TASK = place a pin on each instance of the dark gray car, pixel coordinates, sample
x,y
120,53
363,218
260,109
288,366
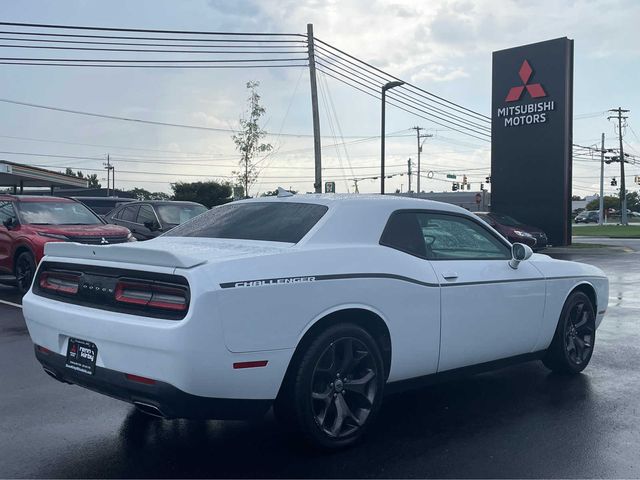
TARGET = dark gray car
x,y
149,218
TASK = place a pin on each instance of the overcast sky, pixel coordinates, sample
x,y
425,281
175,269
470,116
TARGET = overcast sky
x,y
443,46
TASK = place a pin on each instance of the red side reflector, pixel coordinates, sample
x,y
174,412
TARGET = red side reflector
x,y
43,349
138,379
254,364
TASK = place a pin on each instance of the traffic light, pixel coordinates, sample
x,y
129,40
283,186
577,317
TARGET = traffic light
x,y
468,186
455,186
482,187
487,179
614,182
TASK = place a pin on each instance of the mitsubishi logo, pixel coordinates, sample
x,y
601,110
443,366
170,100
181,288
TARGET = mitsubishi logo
x,y
104,241
534,89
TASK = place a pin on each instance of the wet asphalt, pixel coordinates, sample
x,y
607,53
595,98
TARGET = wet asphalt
x,y
521,421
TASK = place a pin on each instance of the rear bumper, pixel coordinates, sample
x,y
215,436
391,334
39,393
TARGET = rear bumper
x,y
170,401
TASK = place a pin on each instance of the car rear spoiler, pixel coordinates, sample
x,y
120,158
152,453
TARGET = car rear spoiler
x,y
124,253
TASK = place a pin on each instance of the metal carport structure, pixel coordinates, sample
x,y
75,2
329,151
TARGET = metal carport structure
x,y
20,176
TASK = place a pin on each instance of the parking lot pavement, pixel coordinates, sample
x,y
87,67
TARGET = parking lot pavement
x,y
517,422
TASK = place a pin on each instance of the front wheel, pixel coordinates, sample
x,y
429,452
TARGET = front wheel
x,y
25,269
572,345
337,387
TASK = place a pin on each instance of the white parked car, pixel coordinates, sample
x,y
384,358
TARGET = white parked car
x,y
317,305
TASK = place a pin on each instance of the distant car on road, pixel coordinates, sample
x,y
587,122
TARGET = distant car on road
x,y
103,205
27,223
150,218
515,231
315,304
588,216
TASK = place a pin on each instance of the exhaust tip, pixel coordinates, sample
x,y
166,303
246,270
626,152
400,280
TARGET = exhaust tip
x,y
149,409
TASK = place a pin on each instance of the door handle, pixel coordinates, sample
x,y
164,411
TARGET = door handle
x,y
450,275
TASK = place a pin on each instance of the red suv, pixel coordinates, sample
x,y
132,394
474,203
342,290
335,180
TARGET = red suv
x,y
28,222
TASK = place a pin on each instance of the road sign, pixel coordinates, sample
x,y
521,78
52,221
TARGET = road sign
x,y
451,175
329,187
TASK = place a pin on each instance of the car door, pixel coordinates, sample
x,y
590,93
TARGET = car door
x,y
6,240
489,310
146,214
128,219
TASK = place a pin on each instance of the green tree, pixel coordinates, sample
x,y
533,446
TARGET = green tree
x,y
208,193
609,202
93,180
633,202
143,194
249,139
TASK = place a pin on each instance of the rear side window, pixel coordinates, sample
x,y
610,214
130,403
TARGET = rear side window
x,y
146,215
268,221
129,214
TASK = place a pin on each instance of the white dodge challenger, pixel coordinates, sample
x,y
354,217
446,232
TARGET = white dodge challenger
x,y
317,305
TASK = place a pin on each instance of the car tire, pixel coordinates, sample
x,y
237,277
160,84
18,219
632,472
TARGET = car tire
x,y
335,390
25,269
572,345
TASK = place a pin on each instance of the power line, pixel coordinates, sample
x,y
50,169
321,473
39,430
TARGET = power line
x,y
140,30
379,80
155,50
112,65
448,102
426,109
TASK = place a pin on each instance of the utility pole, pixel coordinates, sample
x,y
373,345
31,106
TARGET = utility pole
x,y
601,219
417,129
409,174
108,168
385,87
314,109
355,185
623,191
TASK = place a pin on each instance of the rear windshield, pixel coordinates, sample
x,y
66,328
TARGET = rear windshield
x,y
268,221
57,213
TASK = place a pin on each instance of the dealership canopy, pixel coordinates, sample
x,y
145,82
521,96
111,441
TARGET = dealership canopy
x,y
19,176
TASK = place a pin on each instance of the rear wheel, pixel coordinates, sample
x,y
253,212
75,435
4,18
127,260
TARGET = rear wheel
x,y
25,269
336,388
572,345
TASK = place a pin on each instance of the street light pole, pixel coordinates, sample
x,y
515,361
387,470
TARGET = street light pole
x,y
385,87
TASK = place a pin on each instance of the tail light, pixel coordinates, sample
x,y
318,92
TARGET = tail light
x,y
60,282
155,295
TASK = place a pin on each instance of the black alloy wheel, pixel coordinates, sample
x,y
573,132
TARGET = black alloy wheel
x,y
334,391
25,270
579,333
343,388
572,345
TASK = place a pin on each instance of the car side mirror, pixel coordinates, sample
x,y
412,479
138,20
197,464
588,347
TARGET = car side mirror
x,y
151,225
10,223
519,253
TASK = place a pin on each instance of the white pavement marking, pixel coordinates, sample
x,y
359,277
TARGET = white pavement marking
x,y
17,305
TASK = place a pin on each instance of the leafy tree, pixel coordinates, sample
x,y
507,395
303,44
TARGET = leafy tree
x,y
249,139
576,197
609,202
143,194
208,193
633,202
93,180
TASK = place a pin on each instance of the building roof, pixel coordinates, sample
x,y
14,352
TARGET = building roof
x,y
15,174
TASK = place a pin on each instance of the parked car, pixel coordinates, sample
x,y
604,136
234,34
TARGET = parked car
x,y
27,223
588,216
515,231
314,304
150,218
103,205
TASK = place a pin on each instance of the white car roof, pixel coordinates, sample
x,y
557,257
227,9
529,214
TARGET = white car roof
x,y
356,218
